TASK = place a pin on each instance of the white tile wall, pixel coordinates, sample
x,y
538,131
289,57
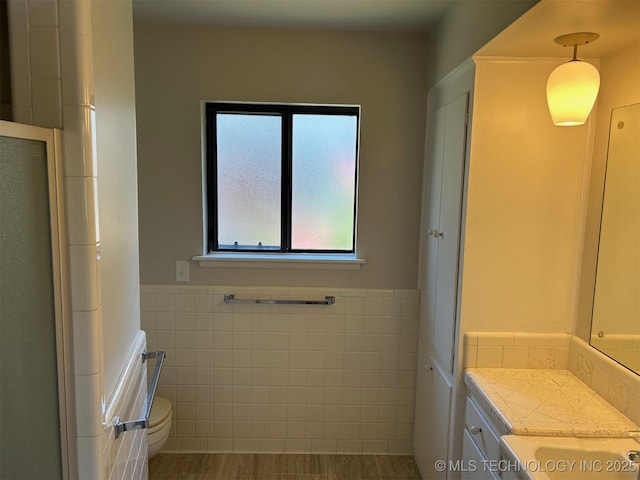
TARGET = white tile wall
x,y
615,383
74,113
18,16
286,378
125,458
35,63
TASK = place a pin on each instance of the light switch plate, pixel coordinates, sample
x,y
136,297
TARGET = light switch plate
x,y
182,271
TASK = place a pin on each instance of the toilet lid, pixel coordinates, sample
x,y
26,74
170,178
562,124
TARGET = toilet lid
x,y
160,410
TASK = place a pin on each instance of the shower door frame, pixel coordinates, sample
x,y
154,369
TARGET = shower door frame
x,y
61,286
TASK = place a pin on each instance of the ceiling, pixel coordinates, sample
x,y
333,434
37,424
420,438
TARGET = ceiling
x,y
617,22
418,15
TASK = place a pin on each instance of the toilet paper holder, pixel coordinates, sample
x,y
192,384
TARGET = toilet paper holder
x,y
143,422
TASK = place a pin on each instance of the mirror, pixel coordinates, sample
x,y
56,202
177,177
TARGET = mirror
x,y
615,326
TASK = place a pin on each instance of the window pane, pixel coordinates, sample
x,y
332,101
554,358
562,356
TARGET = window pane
x,y
323,184
249,170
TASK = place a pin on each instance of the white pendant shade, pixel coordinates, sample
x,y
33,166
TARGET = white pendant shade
x,y
572,89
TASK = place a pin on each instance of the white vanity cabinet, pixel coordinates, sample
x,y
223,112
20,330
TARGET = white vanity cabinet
x,y
472,456
481,445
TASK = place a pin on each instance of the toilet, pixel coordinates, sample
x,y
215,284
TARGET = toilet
x,y
159,425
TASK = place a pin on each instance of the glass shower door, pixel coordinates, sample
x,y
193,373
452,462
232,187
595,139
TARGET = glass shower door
x,y
30,306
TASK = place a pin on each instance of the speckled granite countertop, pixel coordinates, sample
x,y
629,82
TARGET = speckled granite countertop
x,y
544,402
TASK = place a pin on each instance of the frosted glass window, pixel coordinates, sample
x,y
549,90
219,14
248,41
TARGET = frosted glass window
x,y
323,182
281,178
249,187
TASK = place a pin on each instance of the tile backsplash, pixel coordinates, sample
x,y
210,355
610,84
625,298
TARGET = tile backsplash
x,y
613,382
285,378
624,347
516,350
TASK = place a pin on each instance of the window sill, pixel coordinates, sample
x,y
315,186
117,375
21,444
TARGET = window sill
x,y
280,260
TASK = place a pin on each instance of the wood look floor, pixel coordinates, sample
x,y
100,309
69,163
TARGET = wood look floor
x,y
249,466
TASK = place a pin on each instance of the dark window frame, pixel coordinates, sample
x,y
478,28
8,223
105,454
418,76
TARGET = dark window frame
x,y
286,111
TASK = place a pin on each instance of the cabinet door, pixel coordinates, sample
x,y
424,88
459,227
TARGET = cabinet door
x,y
449,228
446,150
433,409
432,186
474,466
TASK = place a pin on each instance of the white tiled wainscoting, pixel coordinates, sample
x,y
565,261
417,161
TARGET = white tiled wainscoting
x,y
286,378
125,458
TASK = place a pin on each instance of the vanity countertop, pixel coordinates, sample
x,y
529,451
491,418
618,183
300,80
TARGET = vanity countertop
x,y
544,402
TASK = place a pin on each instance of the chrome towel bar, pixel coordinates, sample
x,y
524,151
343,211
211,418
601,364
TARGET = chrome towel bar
x,y
143,422
327,301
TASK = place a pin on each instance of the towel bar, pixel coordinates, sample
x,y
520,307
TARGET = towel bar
x,y
143,422
327,301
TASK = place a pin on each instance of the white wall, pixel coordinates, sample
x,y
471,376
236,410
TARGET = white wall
x,y
114,89
523,205
124,376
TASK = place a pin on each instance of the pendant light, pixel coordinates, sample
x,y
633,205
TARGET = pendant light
x,y
572,87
